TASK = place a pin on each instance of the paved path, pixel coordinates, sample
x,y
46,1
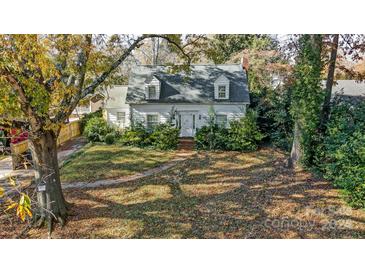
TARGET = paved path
x,y
108,182
6,169
70,148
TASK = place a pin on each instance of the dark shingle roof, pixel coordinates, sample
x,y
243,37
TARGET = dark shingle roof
x,y
349,88
195,87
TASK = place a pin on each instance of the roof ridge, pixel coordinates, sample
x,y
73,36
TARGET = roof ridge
x,y
233,64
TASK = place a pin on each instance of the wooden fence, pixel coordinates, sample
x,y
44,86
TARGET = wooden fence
x,y
67,132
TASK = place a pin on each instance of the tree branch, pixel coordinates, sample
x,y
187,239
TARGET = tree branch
x,y
24,101
62,115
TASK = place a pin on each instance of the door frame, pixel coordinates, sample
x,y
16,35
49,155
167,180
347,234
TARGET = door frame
x,y
193,113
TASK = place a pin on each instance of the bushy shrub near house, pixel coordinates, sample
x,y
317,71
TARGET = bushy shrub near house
x,y
110,138
162,136
211,137
136,135
96,129
242,135
343,154
87,117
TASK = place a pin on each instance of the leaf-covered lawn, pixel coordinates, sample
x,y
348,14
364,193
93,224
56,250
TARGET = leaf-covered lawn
x,y
215,195
101,161
2,156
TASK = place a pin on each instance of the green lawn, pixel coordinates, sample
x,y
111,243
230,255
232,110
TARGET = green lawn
x,y
100,161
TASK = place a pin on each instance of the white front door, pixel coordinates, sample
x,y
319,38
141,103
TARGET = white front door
x,y
187,124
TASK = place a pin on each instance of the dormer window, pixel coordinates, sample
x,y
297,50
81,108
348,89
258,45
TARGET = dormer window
x,y
222,92
221,88
153,86
152,92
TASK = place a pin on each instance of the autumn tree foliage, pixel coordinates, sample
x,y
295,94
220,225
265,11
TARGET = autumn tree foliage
x,y
42,80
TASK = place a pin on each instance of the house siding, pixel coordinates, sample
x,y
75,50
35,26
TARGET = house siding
x,y
233,111
111,116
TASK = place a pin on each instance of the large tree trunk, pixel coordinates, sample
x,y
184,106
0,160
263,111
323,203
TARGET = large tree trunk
x,y
329,83
296,150
51,204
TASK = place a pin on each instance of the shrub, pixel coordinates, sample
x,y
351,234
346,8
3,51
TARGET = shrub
x,y
96,129
211,137
164,136
342,158
87,117
110,138
137,135
243,134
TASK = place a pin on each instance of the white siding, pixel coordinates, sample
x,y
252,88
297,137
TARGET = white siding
x,y
221,81
111,115
114,103
157,84
115,97
233,111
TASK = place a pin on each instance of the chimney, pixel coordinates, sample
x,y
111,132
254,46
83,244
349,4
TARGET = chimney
x,y
245,63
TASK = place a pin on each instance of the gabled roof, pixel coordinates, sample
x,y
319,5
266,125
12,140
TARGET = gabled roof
x,y
221,78
151,78
197,86
115,97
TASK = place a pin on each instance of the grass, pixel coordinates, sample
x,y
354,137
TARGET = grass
x,y
2,156
212,195
99,161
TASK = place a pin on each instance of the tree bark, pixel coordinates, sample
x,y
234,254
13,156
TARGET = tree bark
x,y
329,83
296,151
51,204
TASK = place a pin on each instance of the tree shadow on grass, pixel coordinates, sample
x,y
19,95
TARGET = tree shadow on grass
x,y
209,196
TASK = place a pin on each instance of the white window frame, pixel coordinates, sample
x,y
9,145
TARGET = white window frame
x,y
220,82
220,123
156,123
154,82
222,92
123,120
149,91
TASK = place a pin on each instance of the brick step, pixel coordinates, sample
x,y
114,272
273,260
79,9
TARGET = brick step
x,y
186,144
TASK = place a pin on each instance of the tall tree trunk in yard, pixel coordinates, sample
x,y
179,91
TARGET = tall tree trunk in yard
x,y
305,99
51,202
296,151
329,83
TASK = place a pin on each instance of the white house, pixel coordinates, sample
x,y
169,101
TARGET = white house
x,y
154,95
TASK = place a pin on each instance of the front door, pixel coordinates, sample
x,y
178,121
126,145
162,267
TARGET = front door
x,y
187,124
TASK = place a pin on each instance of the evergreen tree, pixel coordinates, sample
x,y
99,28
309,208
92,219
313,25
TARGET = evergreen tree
x,y
307,99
